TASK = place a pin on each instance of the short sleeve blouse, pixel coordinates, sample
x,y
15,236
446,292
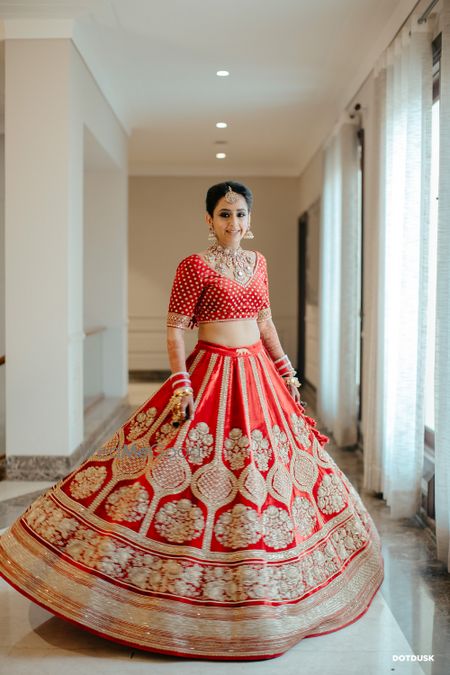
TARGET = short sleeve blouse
x,y
200,294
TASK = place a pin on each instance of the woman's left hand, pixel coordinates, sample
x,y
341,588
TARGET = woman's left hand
x,y
295,393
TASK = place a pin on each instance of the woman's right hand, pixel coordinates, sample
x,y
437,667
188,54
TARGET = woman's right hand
x,y
187,406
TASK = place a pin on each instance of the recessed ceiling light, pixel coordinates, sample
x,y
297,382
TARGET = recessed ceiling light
x,y
220,155
222,73
221,125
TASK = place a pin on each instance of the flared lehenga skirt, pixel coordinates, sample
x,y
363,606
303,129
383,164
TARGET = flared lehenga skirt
x,y
232,536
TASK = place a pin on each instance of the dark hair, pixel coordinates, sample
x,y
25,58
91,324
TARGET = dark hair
x,y
219,190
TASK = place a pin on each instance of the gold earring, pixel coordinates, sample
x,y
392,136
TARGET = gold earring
x,y
249,234
212,235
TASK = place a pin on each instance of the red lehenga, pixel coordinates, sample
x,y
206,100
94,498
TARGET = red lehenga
x,y
232,536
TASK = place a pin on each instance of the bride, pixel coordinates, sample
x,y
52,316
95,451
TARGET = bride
x,y
213,523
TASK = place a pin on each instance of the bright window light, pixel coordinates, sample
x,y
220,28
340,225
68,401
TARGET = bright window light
x,y
432,257
222,73
221,125
220,155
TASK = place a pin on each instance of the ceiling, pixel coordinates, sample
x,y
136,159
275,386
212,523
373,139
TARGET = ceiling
x,y
291,62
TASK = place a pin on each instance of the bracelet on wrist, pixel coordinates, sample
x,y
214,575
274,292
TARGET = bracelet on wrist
x,y
182,391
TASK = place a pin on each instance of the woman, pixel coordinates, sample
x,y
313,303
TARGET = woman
x,y
213,524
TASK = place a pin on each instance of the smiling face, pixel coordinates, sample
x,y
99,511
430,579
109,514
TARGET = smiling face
x,y
229,221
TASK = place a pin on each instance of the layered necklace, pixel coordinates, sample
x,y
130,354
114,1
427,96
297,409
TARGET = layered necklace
x,y
238,260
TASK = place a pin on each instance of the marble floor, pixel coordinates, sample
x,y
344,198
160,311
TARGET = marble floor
x,y
410,615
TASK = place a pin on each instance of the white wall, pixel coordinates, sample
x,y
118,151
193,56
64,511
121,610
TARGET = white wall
x,y
166,223
50,98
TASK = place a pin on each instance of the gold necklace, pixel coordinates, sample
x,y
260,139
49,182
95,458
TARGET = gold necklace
x,y
238,260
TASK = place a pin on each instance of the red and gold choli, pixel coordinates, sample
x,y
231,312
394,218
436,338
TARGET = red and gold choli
x,y
200,294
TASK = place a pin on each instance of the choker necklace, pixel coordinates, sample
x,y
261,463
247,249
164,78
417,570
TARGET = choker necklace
x,y
237,259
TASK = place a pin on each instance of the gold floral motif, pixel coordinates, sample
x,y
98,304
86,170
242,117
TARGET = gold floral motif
x,y
129,502
281,444
179,521
88,481
238,527
348,539
141,422
50,521
236,448
301,430
164,436
199,443
331,494
277,527
304,515
261,450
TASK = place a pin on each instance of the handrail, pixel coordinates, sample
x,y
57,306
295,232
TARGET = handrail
x,y
94,329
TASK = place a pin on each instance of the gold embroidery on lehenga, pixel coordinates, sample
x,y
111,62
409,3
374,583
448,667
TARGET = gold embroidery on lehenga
x,y
272,582
281,411
321,454
277,527
164,436
141,422
199,443
281,444
301,430
304,471
336,568
179,521
170,472
214,483
108,448
279,483
331,495
341,600
261,449
236,448
238,527
129,502
87,481
304,515
252,485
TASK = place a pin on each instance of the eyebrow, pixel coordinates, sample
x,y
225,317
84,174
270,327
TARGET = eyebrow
x,y
229,210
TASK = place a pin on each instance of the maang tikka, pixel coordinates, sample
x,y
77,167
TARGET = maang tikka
x,y
231,197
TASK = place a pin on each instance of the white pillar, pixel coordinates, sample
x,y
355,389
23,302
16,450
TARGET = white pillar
x,y
43,244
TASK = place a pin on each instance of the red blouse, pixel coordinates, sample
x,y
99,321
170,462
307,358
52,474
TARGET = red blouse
x,y
200,294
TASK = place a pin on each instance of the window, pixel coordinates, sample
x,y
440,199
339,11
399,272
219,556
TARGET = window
x,y
431,301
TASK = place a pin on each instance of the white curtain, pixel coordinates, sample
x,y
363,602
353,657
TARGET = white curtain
x,y
442,354
395,335
337,398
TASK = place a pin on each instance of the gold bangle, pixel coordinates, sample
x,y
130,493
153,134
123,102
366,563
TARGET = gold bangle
x,y
181,391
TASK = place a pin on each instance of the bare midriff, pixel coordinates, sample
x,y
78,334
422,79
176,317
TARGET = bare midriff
x,y
235,333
